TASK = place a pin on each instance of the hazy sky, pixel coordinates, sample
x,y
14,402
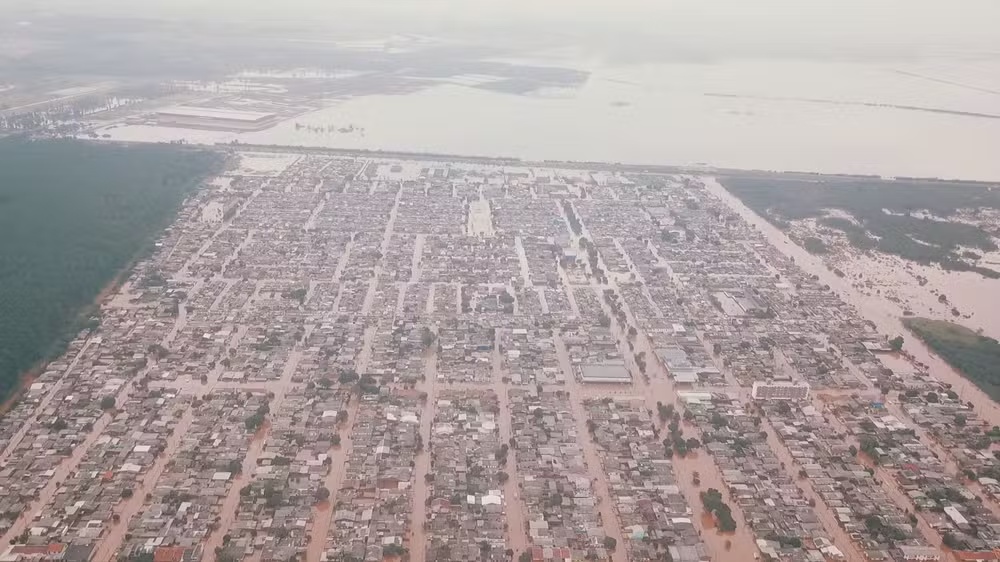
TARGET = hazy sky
x,y
828,28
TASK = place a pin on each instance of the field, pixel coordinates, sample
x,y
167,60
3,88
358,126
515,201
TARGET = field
x,y
916,220
976,357
72,216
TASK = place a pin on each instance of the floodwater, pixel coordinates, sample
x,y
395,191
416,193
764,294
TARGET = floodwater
x,y
723,547
914,118
883,313
968,292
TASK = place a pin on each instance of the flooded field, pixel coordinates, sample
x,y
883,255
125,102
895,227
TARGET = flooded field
x,y
917,288
775,115
884,314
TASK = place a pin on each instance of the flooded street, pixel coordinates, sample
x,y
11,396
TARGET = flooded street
x,y
16,439
826,515
418,535
66,467
109,545
480,218
723,547
323,512
599,480
230,505
884,314
517,536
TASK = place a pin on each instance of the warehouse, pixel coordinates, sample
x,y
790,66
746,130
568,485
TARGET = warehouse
x,y
613,373
215,118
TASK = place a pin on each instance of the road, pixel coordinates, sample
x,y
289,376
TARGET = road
x,y
107,548
230,505
592,460
826,515
660,389
43,404
323,512
422,463
885,315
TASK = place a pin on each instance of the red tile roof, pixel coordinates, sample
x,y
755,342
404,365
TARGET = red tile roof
x,y
168,554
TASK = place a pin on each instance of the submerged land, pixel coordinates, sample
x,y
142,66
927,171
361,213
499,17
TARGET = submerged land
x,y
268,314
355,356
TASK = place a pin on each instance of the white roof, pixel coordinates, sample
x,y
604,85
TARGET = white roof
x,y
955,515
214,113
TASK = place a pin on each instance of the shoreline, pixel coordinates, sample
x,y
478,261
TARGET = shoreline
x,y
877,310
26,378
568,164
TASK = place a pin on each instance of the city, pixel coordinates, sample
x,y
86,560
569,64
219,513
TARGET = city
x,y
333,357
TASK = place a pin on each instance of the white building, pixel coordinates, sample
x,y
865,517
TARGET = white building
x,y
780,390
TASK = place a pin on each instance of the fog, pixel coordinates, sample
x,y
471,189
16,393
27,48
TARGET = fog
x,y
705,29
888,87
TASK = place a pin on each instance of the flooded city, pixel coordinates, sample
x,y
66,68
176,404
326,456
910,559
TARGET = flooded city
x,y
535,282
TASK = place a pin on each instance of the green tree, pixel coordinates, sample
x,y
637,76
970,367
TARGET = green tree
x,y
108,403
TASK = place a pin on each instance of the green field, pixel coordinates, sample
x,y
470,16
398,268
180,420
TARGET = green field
x,y
976,357
782,199
73,215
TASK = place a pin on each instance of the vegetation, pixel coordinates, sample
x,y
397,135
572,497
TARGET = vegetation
x,y
896,343
976,357
665,411
393,550
877,527
73,215
712,500
255,420
867,200
427,337
814,245
574,221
